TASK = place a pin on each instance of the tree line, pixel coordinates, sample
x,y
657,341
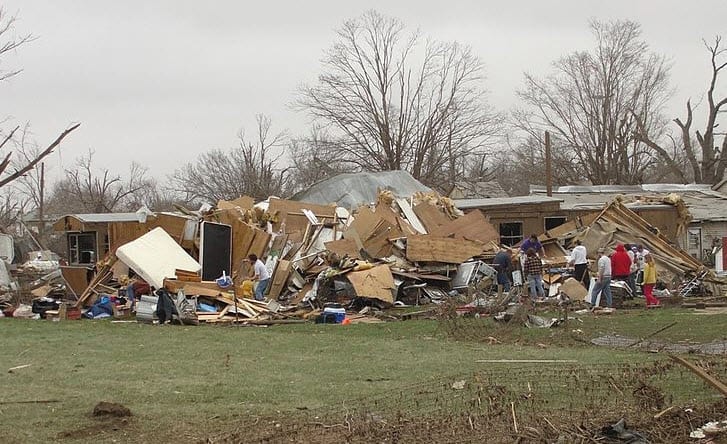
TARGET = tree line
x,y
388,97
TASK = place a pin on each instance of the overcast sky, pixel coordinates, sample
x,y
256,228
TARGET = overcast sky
x,y
160,81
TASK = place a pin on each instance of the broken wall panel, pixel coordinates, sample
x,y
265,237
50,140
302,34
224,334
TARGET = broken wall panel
x,y
291,213
430,216
473,226
429,248
343,247
376,283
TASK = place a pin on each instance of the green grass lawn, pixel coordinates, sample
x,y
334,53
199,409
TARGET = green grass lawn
x,y
184,383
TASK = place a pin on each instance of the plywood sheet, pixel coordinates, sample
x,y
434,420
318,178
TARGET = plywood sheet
x,y
76,277
174,225
473,226
376,283
428,248
243,202
124,232
363,224
430,216
343,247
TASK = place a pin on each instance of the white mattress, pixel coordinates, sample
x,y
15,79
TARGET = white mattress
x,y
154,256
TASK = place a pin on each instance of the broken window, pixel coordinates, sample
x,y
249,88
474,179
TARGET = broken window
x,y
511,233
554,221
81,248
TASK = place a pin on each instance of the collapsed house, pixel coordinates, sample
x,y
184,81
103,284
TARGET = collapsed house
x,y
394,245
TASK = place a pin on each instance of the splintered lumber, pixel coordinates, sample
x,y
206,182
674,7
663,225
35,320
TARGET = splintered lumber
x,y
102,275
203,288
428,248
709,379
290,213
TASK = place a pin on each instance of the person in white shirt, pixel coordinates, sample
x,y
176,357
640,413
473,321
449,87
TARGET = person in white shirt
x,y
603,279
579,260
261,275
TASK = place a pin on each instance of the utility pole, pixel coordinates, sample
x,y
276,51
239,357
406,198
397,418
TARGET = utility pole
x,y
548,171
41,195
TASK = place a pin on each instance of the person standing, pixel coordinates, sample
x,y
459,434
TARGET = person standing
x,y
631,251
579,260
603,279
620,264
534,272
650,281
534,243
261,275
640,253
503,264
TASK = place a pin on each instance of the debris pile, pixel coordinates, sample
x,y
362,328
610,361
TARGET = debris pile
x,y
193,266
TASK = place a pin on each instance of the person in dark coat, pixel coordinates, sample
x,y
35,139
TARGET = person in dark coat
x,y
503,264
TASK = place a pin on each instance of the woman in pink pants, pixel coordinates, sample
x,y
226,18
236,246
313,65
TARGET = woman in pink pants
x,y
650,281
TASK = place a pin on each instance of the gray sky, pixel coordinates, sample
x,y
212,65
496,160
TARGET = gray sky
x,y
160,81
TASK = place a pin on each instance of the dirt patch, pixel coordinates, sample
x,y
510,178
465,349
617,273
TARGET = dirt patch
x,y
111,409
97,429
107,418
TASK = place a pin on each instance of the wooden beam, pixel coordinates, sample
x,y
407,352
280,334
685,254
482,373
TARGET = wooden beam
x,y
709,379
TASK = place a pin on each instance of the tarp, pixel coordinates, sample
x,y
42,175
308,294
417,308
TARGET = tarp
x,y
155,256
353,189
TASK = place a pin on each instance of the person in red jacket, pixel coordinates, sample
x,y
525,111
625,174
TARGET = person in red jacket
x,y
620,264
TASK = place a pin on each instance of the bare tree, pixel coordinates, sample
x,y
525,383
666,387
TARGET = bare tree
x,y
315,158
705,158
252,168
593,101
9,41
86,189
394,102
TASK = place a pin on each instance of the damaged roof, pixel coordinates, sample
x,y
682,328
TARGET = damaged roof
x,y
350,190
704,204
105,217
464,204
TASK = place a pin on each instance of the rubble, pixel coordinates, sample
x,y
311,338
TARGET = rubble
x,y
399,250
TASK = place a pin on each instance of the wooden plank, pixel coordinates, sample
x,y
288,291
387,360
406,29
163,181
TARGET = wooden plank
x,y
709,379
279,279
260,243
473,226
428,248
204,288
411,217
